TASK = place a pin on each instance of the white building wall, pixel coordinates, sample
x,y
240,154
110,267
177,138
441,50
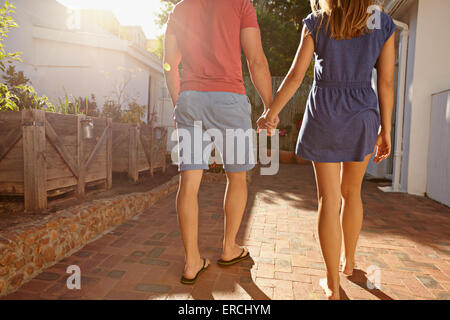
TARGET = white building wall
x,y
428,72
438,186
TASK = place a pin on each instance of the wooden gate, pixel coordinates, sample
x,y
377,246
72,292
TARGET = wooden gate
x,y
138,148
45,154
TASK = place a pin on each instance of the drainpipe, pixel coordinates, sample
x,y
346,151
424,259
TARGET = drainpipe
x,y
401,93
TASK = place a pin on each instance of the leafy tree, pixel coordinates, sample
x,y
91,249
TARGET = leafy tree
x,y
163,16
289,11
280,41
15,78
7,98
158,47
23,95
6,24
15,93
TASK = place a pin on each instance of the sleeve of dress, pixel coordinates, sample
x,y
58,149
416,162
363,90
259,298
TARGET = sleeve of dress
x,y
389,27
311,24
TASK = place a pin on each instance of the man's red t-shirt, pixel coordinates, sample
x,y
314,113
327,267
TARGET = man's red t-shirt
x,y
208,37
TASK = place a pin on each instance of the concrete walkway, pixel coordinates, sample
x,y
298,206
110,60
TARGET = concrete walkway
x,y
405,238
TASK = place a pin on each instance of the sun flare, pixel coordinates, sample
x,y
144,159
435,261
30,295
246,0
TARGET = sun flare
x,y
131,12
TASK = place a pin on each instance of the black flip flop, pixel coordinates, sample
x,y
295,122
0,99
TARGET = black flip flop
x,y
235,260
192,281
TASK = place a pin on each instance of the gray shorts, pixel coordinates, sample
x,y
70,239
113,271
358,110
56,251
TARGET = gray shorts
x,y
222,119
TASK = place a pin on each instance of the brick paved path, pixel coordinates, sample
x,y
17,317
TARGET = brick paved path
x,y
407,237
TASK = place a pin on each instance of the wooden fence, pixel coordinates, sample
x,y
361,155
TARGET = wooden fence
x,y
45,154
138,148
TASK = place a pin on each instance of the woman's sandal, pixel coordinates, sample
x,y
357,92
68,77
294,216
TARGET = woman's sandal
x,y
235,260
193,281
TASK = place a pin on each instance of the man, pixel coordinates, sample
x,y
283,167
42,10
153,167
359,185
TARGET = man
x,y
207,37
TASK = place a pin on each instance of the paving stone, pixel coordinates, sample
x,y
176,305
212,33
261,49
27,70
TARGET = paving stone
x,y
138,254
152,288
158,236
83,254
48,276
156,243
444,295
174,234
96,271
428,281
156,252
155,262
116,274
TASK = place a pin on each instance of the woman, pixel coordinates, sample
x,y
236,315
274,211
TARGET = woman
x,y
341,126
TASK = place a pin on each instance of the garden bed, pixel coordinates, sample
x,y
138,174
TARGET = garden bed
x,y
12,207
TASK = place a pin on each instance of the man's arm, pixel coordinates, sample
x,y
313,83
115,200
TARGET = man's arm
x,y
172,59
257,64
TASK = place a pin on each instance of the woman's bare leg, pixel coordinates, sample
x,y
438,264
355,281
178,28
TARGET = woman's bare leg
x,y
330,233
352,209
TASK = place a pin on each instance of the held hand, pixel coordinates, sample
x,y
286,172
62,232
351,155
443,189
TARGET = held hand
x,y
383,147
268,122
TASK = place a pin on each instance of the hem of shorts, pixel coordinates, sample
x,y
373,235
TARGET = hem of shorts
x,y
244,168
192,167
301,152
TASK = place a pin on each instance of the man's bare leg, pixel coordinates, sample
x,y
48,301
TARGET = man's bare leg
x,y
187,208
234,206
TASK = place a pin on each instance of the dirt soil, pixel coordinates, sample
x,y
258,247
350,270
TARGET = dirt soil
x,y
12,210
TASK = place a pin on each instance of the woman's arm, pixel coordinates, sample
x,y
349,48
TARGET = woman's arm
x,y
294,77
385,71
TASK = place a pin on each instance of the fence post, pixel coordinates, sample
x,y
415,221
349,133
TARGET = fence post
x,y
109,155
35,171
133,172
81,186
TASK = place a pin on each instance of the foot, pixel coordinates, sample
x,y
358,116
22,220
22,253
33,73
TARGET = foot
x,y
191,269
332,292
347,267
230,253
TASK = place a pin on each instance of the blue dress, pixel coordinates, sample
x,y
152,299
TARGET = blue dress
x,y
342,120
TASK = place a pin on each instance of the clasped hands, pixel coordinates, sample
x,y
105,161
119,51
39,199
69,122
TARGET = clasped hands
x,y
268,121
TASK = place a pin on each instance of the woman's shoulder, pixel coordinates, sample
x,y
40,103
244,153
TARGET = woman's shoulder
x,y
314,16
312,21
384,23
